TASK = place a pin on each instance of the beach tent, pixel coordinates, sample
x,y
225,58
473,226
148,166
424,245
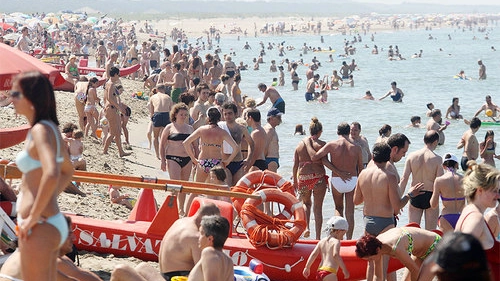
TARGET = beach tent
x,y
15,62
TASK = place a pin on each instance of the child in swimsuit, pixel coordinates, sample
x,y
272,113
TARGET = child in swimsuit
x,y
329,248
218,176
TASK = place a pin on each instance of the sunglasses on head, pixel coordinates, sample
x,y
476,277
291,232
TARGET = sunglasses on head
x,y
16,95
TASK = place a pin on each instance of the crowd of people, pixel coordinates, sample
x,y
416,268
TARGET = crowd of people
x,y
200,122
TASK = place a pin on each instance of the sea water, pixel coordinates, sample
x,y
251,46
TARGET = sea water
x,y
423,80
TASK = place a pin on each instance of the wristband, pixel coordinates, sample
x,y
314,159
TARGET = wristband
x,y
409,195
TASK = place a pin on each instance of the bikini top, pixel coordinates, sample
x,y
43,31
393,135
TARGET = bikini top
x,y
26,163
178,137
451,199
404,232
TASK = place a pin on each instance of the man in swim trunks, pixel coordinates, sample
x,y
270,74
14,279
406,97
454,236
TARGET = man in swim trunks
x,y
424,165
470,143
377,188
238,166
259,137
346,157
395,93
273,146
273,96
179,250
329,248
178,83
159,107
310,87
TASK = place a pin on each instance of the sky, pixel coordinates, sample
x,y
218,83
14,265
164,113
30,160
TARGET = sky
x,y
441,2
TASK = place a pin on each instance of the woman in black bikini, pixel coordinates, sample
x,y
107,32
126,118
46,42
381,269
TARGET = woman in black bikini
x,y
173,155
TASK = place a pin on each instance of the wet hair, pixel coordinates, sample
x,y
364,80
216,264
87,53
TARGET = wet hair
x,y
315,127
230,106
475,123
431,136
489,133
435,112
114,71
393,83
343,129
299,129
37,89
415,119
213,116
357,125
479,176
219,172
186,98
398,140
381,152
367,246
384,130
429,105
217,227
175,109
237,78
254,114
454,99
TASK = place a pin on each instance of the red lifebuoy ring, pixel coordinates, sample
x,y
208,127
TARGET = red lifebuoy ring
x,y
271,231
258,180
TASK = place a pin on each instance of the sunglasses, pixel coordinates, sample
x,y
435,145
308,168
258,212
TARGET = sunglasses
x,y
16,95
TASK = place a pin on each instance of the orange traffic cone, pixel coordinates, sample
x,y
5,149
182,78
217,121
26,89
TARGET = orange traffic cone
x,y
145,208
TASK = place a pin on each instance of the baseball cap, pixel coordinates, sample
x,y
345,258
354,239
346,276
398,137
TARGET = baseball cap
x,y
450,157
337,222
274,112
458,252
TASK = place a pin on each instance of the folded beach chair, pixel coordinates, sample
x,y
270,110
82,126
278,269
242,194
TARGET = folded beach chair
x,y
8,235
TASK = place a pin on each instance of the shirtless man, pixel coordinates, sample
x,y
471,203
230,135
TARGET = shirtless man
x,y
112,109
395,93
166,75
345,70
310,71
213,264
425,166
199,109
113,56
360,140
23,44
273,96
433,125
239,166
179,251
347,157
178,83
273,147
310,87
469,143
482,70
489,105
399,144
377,188
159,110
259,137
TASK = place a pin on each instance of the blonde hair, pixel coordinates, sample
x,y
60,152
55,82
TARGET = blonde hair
x,y
249,102
479,176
